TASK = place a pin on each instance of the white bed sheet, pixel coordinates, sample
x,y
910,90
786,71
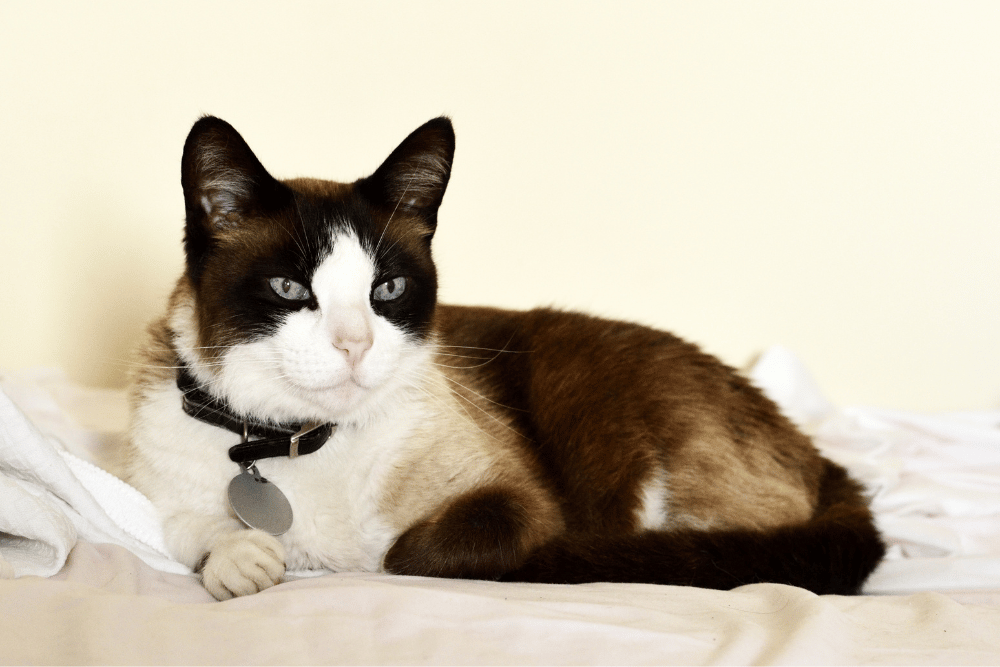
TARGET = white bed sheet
x,y
935,480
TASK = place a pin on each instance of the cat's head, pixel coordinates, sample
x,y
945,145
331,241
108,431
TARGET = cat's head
x,y
308,299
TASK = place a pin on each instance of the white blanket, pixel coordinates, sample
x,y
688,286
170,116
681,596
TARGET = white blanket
x,y
50,497
935,479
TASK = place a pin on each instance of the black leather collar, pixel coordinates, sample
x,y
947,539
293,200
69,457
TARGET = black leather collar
x,y
270,440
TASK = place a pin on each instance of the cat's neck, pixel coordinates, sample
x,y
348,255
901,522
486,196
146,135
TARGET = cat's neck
x,y
259,440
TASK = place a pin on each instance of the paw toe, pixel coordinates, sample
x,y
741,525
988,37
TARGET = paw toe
x,y
243,563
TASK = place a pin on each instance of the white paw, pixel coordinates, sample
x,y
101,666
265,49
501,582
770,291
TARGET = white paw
x,y
6,569
243,563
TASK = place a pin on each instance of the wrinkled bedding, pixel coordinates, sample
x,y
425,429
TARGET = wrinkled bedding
x,y
84,577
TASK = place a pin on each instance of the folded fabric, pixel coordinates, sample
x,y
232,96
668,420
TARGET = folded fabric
x,y
50,498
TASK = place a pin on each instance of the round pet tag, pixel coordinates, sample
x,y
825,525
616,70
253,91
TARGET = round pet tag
x,y
259,504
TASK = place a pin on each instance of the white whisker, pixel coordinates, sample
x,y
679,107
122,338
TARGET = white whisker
x,y
375,251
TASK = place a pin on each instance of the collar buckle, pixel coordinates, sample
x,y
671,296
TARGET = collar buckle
x,y
293,447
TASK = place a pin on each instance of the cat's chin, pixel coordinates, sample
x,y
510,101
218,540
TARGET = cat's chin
x,y
353,406
283,399
351,400
335,400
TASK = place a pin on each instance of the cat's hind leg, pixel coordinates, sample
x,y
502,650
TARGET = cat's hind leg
x,y
479,535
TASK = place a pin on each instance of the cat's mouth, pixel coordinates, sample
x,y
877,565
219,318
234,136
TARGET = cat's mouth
x,y
308,374
340,392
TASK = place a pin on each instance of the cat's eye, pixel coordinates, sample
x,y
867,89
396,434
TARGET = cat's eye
x,y
390,290
288,289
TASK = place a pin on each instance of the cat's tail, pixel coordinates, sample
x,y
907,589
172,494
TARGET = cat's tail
x,y
833,553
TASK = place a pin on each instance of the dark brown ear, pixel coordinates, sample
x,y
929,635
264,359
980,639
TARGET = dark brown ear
x,y
224,186
415,175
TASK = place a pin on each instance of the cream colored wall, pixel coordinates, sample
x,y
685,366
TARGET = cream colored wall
x,y
825,176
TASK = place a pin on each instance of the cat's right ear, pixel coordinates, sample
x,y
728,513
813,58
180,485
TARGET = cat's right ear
x,y
224,183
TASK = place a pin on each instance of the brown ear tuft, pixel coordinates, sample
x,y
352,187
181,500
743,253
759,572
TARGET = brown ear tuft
x,y
416,173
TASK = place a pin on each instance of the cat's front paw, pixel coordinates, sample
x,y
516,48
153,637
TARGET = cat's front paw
x,y
243,563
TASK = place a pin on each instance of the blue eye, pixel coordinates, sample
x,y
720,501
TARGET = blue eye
x,y
390,290
287,288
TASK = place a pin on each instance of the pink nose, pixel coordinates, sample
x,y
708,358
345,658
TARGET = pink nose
x,y
353,348
353,337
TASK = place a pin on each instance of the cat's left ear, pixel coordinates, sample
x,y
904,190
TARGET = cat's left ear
x,y
415,175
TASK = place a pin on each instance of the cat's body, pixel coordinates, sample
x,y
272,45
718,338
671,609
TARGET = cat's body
x,y
469,442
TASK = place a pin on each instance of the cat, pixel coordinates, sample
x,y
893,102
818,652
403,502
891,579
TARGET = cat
x,y
303,350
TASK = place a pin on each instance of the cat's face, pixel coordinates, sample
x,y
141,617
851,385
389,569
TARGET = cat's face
x,y
309,299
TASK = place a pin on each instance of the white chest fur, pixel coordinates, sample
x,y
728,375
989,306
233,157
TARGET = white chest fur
x,y
336,493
